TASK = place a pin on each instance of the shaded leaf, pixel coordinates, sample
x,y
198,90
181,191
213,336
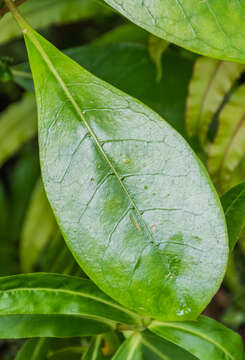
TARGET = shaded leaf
x,y
234,207
38,305
123,33
123,216
130,349
124,65
211,80
204,338
94,351
34,349
156,48
228,148
38,228
17,125
46,12
205,27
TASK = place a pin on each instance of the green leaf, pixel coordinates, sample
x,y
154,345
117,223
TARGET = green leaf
x,y
123,33
39,227
130,349
234,207
47,12
50,305
210,83
166,97
208,28
204,338
146,346
156,48
94,351
228,148
130,203
17,125
34,349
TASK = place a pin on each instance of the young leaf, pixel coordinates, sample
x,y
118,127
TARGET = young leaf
x,y
156,48
94,351
18,124
49,305
204,338
130,203
34,349
208,28
228,148
39,227
166,97
47,12
210,82
234,207
130,349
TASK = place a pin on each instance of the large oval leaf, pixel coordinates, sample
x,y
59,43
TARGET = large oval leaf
x,y
134,204
206,27
39,305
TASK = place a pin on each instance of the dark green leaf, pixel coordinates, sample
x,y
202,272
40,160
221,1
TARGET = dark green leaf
x,y
234,207
94,351
38,305
204,338
47,12
130,349
136,208
34,349
205,27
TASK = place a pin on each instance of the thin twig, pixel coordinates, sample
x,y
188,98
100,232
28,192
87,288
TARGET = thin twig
x,y
5,10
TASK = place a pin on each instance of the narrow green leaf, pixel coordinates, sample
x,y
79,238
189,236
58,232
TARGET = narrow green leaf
x,y
126,200
228,148
205,27
34,349
123,33
156,48
50,305
210,82
17,125
146,346
39,227
130,349
204,338
234,206
166,97
47,12
94,351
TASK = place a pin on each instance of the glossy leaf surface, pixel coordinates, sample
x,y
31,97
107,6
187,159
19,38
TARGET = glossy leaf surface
x,y
234,206
124,65
18,124
228,148
136,207
204,338
130,349
206,27
52,305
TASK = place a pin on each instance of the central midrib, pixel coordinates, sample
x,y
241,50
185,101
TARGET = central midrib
x,y
90,130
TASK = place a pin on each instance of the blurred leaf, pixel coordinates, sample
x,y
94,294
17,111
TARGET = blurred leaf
x,y
238,175
234,207
211,80
228,148
50,305
123,33
124,65
46,12
156,48
18,124
34,349
3,211
94,351
67,349
5,73
38,228
130,349
205,338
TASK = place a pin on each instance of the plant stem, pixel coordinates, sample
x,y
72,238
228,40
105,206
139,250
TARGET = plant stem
x,y
6,10
16,14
